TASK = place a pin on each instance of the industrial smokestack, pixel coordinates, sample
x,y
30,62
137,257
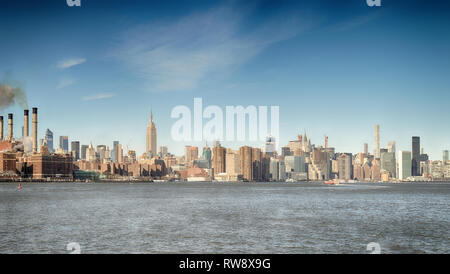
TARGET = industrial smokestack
x,y
1,128
10,127
25,123
34,130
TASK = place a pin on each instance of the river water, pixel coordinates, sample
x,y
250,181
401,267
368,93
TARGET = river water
x,y
202,217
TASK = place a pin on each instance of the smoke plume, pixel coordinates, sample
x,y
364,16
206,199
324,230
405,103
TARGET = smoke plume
x,y
12,92
10,95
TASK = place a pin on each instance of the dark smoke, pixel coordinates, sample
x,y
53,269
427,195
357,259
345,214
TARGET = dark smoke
x,y
11,94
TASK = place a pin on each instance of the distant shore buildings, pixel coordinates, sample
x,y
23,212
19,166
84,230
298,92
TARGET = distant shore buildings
x,y
299,160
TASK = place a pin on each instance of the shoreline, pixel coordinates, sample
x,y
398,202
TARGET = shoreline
x,y
112,181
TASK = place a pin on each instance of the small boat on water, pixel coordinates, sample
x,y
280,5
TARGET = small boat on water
x,y
334,182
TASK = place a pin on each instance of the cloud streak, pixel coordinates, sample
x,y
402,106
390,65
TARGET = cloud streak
x,y
68,63
179,55
65,82
98,96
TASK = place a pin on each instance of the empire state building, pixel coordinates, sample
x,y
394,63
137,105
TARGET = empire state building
x,y
151,136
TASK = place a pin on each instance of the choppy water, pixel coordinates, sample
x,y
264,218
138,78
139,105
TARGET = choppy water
x,y
224,217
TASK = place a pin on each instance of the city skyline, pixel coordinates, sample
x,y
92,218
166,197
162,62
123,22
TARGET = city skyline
x,y
91,85
151,134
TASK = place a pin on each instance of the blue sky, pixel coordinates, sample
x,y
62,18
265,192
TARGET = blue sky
x,y
334,67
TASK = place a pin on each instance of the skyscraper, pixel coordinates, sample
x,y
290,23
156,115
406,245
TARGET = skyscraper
x,y
101,149
388,163
219,159
404,164
274,169
233,164
190,155
295,163
415,168
64,143
391,146
83,152
345,168
256,164
114,151
270,146
75,149
119,154
90,153
49,140
163,150
245,156
151,137
376,151
445,156
366,149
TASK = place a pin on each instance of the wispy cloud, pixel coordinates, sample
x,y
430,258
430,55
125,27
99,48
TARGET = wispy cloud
x,y
178,55
98,96
357,21
65,82
67,63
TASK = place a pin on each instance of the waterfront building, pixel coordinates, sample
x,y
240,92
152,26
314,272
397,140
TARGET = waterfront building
x,y
190,155
245,155
358,172
295,163
219,159
436,170
8,163
376,171
367,171
388,163
207,154
415,162
345,166
256,164
319,167
404,164
233,165
274,169
281,171
446,170
44,165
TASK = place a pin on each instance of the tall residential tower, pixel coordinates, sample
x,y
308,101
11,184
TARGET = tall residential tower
x,y
376,151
